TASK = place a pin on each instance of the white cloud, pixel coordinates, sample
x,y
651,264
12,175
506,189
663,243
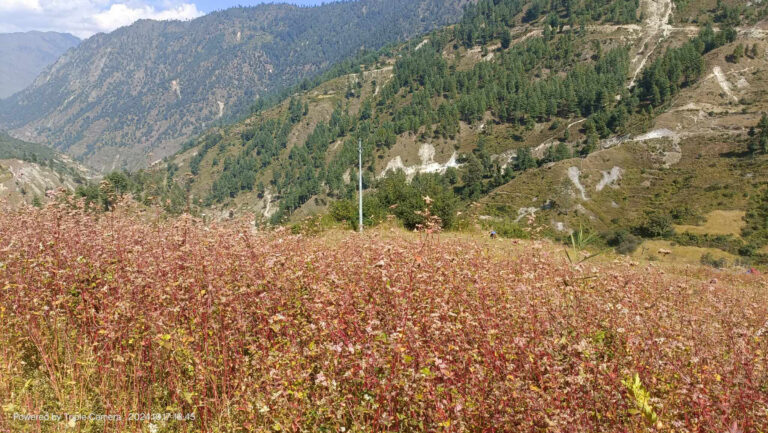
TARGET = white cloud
x,y
119,15
19,5
86,17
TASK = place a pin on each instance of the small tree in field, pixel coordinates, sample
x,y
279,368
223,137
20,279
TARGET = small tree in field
x,y
758,142
737,54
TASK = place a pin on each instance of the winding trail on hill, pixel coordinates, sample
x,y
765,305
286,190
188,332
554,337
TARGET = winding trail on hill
x,y
753,32
656,27
268,211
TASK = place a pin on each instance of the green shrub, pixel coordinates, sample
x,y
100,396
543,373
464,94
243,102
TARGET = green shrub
x,y
709,260
726,243
347,211
748,250
656,225
623,241
509,229
310,226
686,215
406,200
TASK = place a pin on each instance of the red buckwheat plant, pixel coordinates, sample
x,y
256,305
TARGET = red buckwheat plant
x,y
125,312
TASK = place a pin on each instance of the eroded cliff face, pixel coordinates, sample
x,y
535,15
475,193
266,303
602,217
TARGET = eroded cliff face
x,y
24,182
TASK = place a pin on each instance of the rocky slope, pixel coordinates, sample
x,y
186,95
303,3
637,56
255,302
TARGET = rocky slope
x,y
28,172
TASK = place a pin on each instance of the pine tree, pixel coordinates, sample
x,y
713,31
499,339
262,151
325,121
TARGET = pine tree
x,y
473,173
452,176
296,110
759,141
506,39
590,144
737,54
525,159
367,111
763,124
562,151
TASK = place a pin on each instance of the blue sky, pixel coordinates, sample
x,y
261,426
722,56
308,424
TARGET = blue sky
x,y
84,18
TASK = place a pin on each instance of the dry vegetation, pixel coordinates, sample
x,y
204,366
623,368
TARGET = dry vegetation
x,y
719,222
251,331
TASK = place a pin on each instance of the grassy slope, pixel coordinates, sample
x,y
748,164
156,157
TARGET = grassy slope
x,y
714,173
11,148
725,222
322,101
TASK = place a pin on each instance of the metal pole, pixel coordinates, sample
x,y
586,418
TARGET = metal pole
x,y
360,172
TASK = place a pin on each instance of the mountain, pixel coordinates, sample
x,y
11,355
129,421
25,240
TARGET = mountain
x,y
422,107
627,119
26,55
133,96
28,171
503,159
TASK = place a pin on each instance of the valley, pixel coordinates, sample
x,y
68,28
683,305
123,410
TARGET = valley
x,y
604,160
565,221
126,99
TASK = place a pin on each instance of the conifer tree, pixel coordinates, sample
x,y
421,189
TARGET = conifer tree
x,y
758,143
525,159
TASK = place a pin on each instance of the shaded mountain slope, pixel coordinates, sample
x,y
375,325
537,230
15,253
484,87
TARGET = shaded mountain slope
x,y
25,55
128,98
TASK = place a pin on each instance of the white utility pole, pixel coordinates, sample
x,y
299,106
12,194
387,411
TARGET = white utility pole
x,y
360,172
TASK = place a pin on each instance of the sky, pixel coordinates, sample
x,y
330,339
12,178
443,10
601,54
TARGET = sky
x,y
83,18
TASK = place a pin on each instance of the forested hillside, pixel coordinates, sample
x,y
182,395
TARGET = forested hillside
x,y
131,97
430,89
507,118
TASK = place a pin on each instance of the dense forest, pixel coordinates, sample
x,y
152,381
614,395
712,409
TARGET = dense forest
x,y
491,19
679,67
